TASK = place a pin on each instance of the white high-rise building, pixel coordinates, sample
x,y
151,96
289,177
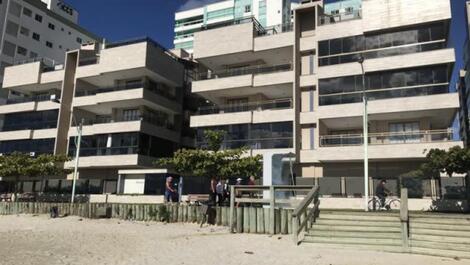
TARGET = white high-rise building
x,y
270,14
38,30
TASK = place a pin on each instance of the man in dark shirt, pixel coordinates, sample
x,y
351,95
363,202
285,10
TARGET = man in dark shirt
x,y
381,192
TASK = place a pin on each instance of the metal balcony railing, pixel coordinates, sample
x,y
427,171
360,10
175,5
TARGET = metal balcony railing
x,y
258,69
259,29
388,138
251,106
263,143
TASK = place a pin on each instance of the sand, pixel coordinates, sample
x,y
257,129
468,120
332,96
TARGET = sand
x,y
39,240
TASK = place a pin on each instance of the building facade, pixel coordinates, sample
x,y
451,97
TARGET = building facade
x,y
129,98
464,86
38,30
271,14
301,90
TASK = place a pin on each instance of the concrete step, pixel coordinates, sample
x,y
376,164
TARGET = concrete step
x,y
436,232
360,213
440,253
354,240
439,215
378,248
322,221
440,220
440,226
442,239
382,218
352,228
320,233
441,245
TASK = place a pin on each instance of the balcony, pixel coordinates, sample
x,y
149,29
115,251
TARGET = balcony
x,y
145,117
158,89
252,106
38,98
254,144
387,138
326,19
106,151
249,70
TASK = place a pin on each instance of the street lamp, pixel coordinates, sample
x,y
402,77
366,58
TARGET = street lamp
x,y
365,133
78,140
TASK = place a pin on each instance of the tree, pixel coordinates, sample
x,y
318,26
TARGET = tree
x,y
18,165
455,160
211,161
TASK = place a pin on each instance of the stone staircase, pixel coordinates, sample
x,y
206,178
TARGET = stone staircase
x,y
429,234
443,235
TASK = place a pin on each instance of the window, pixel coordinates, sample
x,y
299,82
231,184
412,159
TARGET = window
x,y
131,115
36,36
51,26
27,12
247,8
404,132
12,28
38,18
24,31
9,48
49,44
15,9
33,55
22,51
79,40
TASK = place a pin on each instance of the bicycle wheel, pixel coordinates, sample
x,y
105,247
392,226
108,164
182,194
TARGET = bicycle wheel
x,y
394,204
374,204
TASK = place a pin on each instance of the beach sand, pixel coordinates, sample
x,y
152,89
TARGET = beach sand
x,y
35,240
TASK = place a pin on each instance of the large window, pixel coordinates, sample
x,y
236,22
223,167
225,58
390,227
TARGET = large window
x,y
38,146
30,120
388,84
255,136
418,39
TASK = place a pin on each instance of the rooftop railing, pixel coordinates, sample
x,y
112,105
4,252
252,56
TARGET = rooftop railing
x,y
250,106
388,138
258,69
326,19
259,29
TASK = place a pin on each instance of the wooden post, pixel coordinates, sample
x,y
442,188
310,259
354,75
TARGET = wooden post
x,y
272,223
240,220
404,218
246,220
232,209
252,220
260,220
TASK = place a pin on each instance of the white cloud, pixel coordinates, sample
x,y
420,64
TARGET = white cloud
x,y
189,4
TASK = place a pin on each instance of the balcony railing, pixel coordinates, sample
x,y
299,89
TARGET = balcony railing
x,y
260,30
388,138
145,117
259,69
158,89
266,143
106,151
252,106
39,98
341,17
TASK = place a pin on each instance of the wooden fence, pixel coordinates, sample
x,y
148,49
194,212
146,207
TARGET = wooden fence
x,y
248,219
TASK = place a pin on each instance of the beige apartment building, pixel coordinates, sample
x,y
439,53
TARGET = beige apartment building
x,y
129,96
300,90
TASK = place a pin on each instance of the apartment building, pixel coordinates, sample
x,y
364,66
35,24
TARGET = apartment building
x,y
39,30
128,96
464,86
271,14
301,91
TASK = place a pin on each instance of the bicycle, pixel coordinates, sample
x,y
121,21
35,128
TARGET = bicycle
x,y
390,204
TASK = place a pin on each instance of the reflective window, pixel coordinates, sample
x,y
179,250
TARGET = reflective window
x,y
38,146
34,120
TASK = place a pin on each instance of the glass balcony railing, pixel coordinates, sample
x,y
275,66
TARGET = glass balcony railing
x,y
414,91
341,17
388,138
145,117
259,69
252,106
39,98
158,89
106,151
266,143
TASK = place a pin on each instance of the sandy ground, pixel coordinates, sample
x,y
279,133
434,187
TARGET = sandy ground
x,y
40,240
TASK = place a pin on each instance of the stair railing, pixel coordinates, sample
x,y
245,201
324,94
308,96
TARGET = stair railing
x,y
404,219
304,214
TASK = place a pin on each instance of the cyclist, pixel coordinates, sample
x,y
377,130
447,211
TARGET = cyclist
x,y
381,192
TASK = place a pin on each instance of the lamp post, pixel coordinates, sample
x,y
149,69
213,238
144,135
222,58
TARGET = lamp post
x,y
365,127
78,140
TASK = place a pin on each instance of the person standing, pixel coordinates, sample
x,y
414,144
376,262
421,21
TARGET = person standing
x,y
220,192
213,190
169,191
